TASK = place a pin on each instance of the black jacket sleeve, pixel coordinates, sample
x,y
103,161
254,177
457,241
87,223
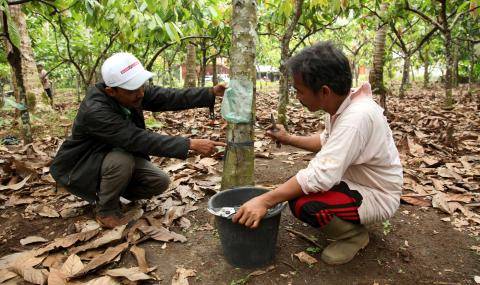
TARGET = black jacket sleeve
x,y
111,128
158,99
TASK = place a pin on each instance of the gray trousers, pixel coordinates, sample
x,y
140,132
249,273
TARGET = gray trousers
x,y
131,177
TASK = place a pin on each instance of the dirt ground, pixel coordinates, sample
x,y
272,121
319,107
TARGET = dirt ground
x,y
416,248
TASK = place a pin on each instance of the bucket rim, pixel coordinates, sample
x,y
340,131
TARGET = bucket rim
x,y
277,209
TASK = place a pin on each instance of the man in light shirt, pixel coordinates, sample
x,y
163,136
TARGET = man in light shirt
x,y
356,176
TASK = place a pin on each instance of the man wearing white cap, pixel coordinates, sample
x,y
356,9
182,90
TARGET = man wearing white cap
x,y
107,154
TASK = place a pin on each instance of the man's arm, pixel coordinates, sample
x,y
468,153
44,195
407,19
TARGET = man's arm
x,y
311,143
168,99
255,209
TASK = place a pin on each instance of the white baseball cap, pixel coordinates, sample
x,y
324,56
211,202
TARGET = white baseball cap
x,y
124,70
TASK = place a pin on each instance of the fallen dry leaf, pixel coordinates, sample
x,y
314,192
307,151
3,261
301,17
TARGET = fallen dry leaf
x,y
108,237
101,260
162,234
56,277
67,241
139,254
105,280
6,275
32,239
181,276
306,258
132,274
416,201
16,186
72,265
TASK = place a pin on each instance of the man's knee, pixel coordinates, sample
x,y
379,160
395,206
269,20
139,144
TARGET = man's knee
x,y
159,182
118,162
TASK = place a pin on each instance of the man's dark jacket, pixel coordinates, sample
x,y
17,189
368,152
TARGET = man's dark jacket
x,y
101,125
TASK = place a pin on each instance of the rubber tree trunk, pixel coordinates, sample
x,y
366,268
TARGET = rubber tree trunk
x,y
284,55
473,59
405,76
238,167
426,72
14,58
203,66
455,66
378,87
214,71
33,86
191,75
448,104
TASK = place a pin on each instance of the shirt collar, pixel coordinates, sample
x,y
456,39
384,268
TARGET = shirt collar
x,y
363,91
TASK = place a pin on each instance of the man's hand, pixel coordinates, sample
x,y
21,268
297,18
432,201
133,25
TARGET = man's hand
x,y
205,146
219,89
279,133
251,213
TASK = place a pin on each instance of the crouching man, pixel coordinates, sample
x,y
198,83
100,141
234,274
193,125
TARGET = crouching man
x,y
356,176
107,155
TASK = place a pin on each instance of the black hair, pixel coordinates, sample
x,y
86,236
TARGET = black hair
x,y
322,64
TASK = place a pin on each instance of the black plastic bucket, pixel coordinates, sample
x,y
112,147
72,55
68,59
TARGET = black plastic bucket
x,y
244,247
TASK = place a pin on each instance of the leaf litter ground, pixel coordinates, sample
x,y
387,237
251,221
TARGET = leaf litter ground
x,y
50,236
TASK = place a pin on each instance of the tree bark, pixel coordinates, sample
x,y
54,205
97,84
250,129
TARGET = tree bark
x,y
455,66
405,81
203,66
33,86
284,55
190,76
238,167
14,58
448,71
378,61
214,71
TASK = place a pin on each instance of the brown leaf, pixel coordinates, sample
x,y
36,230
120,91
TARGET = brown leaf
x,y
416,201
439,201
6,275
181,276
32,239
101,260
133,233
56,277
67,241
139,254
46,211
414,148
306,258
132,274
162,234
465,198
105,280
54,260
16,186
72,265
108,237
33,275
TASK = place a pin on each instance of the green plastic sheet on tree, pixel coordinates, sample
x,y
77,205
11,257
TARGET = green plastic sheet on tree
x,y
237,101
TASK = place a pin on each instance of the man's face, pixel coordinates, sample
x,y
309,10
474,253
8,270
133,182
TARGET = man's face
x,y
306,96
127,98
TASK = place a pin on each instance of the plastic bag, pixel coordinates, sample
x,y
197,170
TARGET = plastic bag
x,y
237,101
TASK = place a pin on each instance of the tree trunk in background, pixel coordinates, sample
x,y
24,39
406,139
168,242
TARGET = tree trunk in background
x,y
378,61
15,60
473,59
203,66
214,71
284,55
238,167
448,71
33,86
190,76
455,65
405,81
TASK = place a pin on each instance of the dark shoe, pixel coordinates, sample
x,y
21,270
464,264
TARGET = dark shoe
x,y
111,221
119,219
